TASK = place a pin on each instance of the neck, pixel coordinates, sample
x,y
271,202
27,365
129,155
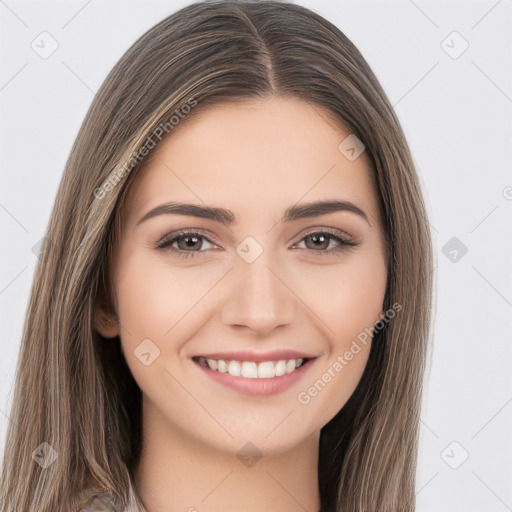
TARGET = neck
x,y
179,473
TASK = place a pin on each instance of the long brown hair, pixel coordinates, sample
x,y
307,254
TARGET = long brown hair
x,y
74,390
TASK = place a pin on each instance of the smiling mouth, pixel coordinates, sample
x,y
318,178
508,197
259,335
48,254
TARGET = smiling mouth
x,y
251,369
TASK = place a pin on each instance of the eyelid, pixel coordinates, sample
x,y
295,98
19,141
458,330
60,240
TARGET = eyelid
x,y
169,237
331,231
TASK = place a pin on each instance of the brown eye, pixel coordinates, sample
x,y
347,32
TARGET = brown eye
x,y
184,243
319,241
189,242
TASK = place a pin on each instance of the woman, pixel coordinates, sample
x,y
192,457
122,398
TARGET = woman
x,y
232,306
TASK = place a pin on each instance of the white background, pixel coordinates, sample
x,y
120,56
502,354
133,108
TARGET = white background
x,y
456,113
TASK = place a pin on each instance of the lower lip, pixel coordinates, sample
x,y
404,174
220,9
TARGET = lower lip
x,y
258,387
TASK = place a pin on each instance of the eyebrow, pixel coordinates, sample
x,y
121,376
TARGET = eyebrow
x,y
228,218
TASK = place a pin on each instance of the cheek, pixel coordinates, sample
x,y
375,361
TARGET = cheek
x,y
346,297
155,297
163,302
159,303
348,304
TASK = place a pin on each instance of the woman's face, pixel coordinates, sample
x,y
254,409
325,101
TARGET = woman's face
x,y
261,279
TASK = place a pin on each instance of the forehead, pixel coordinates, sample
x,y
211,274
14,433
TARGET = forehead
x,y
255,157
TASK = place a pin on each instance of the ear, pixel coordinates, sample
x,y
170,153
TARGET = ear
x,y
106,321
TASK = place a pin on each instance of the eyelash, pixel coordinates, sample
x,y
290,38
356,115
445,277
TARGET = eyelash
x,y
168,240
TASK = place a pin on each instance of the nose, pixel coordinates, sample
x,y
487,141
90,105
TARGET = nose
x,y
258,296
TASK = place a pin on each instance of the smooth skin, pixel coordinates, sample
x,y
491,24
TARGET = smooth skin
x,y
255,158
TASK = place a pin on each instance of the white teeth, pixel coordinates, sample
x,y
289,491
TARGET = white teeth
x,y
266,370
234,368
280,368
251,369
290,365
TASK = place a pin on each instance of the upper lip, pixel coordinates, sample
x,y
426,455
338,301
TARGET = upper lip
x,y
258,357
